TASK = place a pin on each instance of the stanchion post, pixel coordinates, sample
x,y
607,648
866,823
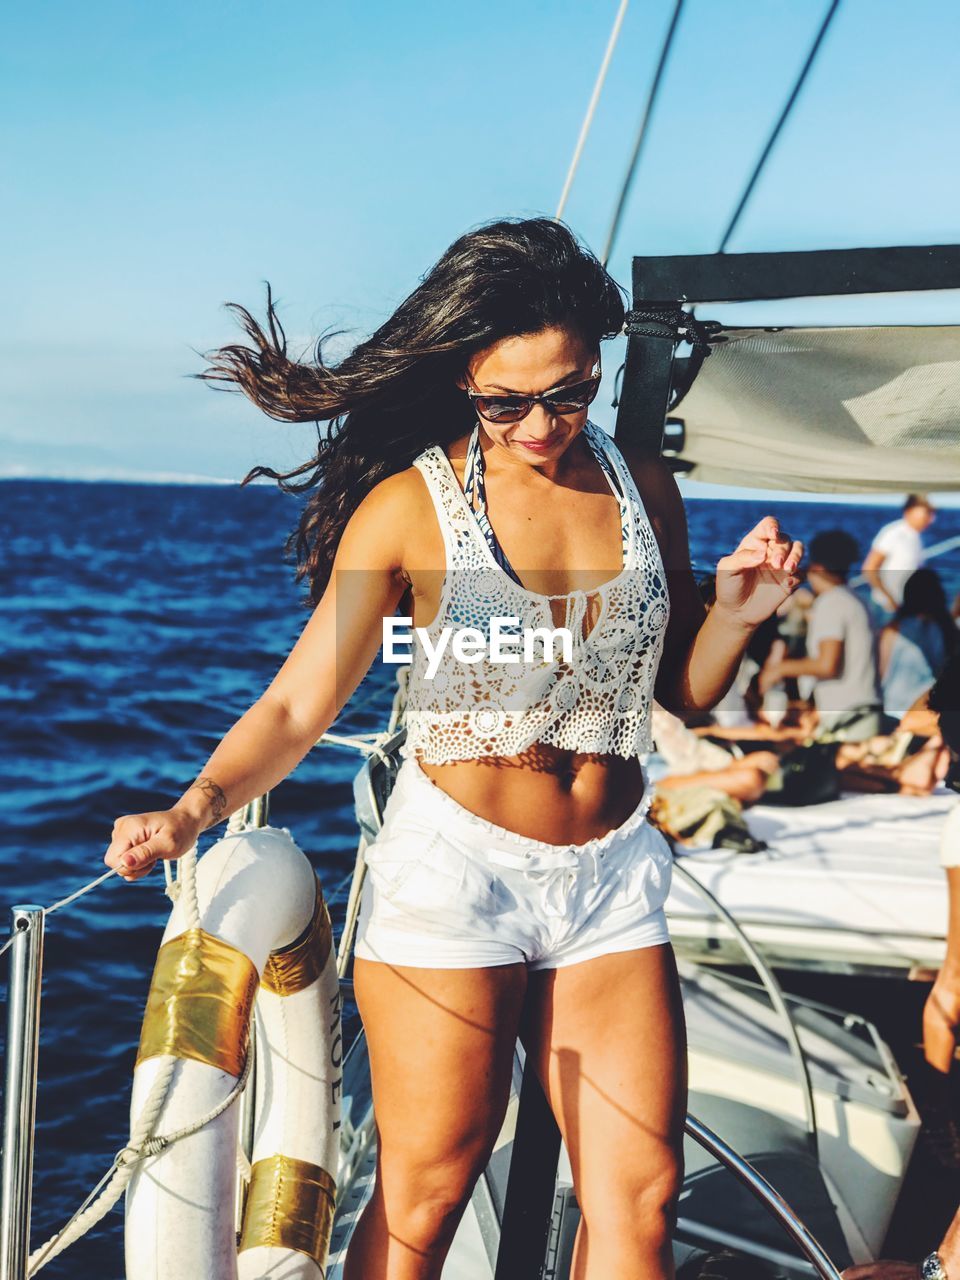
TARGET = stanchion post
x,y
20,1090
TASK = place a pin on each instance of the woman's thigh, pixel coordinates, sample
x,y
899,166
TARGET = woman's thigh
x,y
608,1040
441,1044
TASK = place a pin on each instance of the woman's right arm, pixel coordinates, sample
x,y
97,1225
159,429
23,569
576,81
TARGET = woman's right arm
x,y
335,650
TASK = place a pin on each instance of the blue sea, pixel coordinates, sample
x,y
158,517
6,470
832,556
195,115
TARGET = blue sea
x,y
137,623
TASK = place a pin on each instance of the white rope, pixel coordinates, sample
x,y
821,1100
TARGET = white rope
x,y
143,1141
172,888
369,743
114,871
121,1173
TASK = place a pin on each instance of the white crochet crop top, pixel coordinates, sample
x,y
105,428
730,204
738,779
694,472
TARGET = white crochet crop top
x,y
599,701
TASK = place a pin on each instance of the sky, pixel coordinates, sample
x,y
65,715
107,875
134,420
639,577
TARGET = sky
x,y
162,160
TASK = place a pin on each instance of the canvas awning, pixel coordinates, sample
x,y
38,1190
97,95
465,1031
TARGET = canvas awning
x,y
834,410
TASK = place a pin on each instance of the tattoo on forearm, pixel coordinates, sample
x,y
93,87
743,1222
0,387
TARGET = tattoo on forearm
x,y
214,793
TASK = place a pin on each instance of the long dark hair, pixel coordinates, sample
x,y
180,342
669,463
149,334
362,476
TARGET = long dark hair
x,y
395,393
924,596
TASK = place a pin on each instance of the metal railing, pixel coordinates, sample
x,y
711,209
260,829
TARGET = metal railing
x,y
774,991
767,1194
20,1091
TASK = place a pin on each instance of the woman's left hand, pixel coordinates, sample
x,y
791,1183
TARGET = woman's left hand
x,y
755,580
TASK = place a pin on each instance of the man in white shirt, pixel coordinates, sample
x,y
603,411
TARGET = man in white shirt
x,y
841,648
895,553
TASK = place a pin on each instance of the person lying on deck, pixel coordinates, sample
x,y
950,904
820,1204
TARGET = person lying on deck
x,y
697,765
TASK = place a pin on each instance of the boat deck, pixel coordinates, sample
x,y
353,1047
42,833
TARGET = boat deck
x,y
854,885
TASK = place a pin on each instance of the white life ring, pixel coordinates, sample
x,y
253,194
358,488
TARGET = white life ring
x,y
265,943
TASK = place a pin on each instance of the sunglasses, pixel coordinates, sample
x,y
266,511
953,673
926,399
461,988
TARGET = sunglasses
x,y
559,400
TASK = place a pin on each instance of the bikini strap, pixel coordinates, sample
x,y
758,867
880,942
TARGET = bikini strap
x,y
476,494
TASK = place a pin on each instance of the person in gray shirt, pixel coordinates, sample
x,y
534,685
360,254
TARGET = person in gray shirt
x,y
841,646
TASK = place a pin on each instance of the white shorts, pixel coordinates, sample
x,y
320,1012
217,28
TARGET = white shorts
x,y
445,889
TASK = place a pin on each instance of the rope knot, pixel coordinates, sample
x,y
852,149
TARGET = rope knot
x,y
151,1147
650,320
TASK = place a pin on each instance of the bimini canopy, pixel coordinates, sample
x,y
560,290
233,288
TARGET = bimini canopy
x,y
831,410
834,410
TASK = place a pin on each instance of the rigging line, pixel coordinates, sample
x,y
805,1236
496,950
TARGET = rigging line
x,y
591,108
641,133
939,548
929,553
772,140
114,871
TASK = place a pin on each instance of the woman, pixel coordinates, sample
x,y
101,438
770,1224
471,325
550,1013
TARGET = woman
x,y
916,643
516,887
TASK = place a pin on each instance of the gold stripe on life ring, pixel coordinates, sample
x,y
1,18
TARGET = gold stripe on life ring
x,y
301,962
289,1205
200,1000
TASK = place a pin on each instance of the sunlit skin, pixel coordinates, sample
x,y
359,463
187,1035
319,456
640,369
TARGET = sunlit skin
x,y
558,524
606,1036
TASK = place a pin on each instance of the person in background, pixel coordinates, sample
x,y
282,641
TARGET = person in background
x,y
694,760
736,709
841,649
895,553
915,644
941,1014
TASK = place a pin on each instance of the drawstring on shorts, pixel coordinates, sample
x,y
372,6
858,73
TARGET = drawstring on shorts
x,y
557,872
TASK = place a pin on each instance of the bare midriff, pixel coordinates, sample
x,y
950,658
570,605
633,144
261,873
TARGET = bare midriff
x,y
547,793
562,797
